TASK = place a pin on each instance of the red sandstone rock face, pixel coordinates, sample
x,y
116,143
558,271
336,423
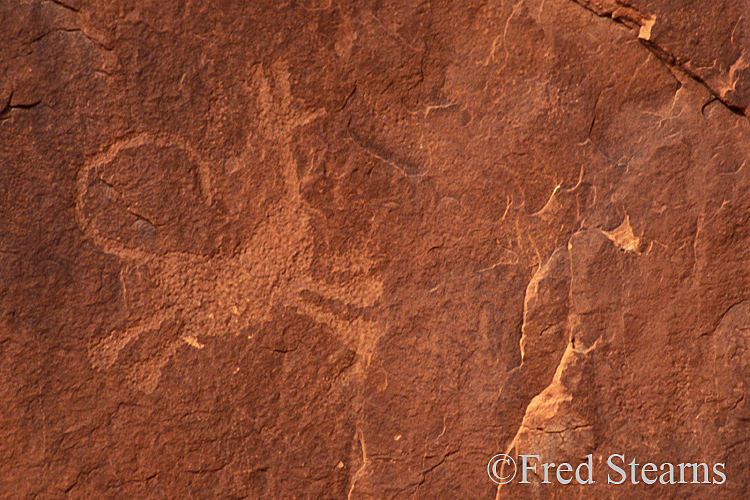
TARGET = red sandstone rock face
x,y
326,249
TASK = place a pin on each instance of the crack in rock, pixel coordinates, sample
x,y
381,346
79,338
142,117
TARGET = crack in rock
x,y
643,22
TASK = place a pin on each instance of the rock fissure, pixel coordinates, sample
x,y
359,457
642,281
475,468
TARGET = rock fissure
x,y
634,19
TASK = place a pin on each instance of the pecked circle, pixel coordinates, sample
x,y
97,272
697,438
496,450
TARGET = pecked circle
x,y
152,195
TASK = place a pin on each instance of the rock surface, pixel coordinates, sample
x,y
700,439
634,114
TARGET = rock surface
x,y
352,250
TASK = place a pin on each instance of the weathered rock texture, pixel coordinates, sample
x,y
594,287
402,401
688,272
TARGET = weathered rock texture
x,y
351,250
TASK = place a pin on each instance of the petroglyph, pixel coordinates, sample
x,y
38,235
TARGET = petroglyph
x,y
221,294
